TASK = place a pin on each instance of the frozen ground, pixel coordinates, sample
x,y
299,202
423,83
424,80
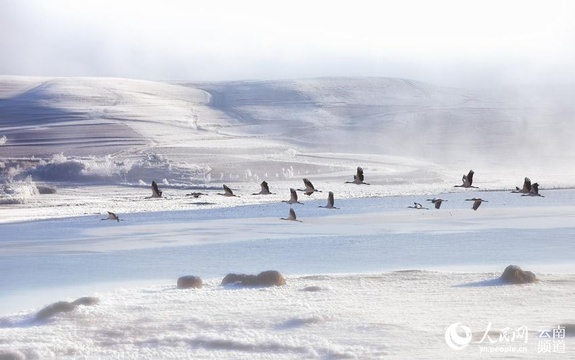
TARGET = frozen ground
x,y
387,280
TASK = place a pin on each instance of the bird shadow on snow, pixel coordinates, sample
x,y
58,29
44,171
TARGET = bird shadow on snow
x,y
484,283
297,322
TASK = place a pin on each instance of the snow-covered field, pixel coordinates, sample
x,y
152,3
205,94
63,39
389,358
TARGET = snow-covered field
x,y
372,279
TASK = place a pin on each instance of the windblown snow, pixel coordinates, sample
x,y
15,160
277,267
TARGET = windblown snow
x,y
371,279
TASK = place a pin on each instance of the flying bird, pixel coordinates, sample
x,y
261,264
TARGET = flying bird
x,y
534,191
112,216
476,202
293,197
309,189
330,202
357,178
436,202
265,189
291,216
156,192
467,180
526,187
196,194
417,205
227,191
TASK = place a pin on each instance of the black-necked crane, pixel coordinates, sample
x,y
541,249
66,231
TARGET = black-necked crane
x,y
293,197
330,202
358,177
227,191
437,202
534,191
526,187
467,180
196,194
309,188
476,202
265,189
291,216
417,205
156,192
112,216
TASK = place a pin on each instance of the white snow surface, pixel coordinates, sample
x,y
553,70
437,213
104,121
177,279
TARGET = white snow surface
x,y
371,279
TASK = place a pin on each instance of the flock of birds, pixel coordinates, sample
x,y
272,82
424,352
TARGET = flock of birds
x,y
528,189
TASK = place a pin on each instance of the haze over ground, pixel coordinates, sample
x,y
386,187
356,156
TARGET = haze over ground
x,y
97,99
446,42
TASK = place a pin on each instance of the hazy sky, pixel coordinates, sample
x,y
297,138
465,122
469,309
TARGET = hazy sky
x,y
463,43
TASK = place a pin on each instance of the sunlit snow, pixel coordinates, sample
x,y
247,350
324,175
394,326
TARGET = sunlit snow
x,y
372,279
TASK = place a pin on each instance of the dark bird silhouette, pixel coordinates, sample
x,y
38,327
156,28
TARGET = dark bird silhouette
x,y
526,187
330,202
196,194
534,191
156,192
417,205
357,178
265,189
476,202
292,216
293,197
112,216
436,202
227,191
309,189
467,180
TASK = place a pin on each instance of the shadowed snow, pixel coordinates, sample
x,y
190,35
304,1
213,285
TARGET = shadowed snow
x,y
380,279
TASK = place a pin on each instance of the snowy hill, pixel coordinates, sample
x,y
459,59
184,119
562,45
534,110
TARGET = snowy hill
x,y
361,278
393,117
250,130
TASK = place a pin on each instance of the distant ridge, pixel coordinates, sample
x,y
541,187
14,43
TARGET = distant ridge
x,y
288,121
